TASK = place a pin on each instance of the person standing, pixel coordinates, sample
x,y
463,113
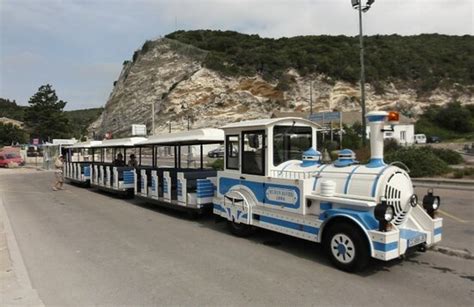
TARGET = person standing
x,y
58,173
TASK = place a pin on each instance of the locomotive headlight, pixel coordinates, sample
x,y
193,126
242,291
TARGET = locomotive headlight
x,y
431,203
384,214
414,200
388,216
436,203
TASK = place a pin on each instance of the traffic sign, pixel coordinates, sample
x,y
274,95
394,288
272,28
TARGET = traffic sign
x,y
325,116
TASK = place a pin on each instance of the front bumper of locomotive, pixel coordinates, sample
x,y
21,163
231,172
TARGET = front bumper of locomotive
x,y
420,231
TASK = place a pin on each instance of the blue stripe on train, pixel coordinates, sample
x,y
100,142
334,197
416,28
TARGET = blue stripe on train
x,y
385,247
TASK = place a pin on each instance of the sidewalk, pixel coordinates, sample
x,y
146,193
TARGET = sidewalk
x,y
15,285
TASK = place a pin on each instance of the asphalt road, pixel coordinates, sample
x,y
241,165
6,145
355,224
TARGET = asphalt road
x,y
83,248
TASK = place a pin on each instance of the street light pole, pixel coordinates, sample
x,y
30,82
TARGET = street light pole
x,y
362,77
358,5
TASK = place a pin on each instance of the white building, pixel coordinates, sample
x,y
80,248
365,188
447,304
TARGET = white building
x,y
403,131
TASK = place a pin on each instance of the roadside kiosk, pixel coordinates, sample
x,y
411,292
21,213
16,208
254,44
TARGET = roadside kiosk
x,y
172,170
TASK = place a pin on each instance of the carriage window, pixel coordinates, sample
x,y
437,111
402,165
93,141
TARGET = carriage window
x,y
290,142
164,156
232,151
253,152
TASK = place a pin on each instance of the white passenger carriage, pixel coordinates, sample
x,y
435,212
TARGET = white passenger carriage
x,y
356,211
109,172
172,170
77,165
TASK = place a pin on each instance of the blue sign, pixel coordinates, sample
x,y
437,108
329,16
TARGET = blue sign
x,y
325,116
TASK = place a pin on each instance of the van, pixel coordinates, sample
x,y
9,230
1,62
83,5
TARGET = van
x,y
420,139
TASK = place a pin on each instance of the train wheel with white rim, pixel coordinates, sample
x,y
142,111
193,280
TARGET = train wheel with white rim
x,y
240,229
346,247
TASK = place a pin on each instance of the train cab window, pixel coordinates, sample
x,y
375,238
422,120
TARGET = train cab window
x,y
290,142
232,151
253,152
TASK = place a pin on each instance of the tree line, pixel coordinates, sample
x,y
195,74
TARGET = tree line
x,y
427,61
44,118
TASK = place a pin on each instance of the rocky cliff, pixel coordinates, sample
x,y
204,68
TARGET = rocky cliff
x,y
170,75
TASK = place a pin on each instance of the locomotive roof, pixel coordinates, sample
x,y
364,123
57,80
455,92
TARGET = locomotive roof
x,y
123,142
263,123
197,136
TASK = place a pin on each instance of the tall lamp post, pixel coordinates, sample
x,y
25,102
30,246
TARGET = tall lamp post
x,y
357,4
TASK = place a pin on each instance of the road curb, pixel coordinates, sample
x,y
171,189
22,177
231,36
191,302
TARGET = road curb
x,y
453,252
27,293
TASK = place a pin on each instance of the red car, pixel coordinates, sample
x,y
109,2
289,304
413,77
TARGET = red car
x,y
8,158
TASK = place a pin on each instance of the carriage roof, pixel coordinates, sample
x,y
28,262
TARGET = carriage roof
x,y
190,137
87,144
123,142
267,122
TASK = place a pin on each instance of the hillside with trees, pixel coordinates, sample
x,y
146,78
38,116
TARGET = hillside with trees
x,y
427,61
10,109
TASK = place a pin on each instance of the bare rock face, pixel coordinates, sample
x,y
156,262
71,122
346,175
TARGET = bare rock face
x,y
171,76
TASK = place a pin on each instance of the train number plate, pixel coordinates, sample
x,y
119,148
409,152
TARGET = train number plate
x,y
417,240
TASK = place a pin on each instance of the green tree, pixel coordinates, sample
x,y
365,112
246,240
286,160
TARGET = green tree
x,y
11,134
45,117
455,117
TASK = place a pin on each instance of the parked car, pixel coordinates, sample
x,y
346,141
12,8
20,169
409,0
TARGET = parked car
x,y
8,159
216,153
420,139
434,139
32,151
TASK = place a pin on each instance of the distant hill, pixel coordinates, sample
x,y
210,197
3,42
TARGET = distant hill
x,y
210,78
79,120
10,109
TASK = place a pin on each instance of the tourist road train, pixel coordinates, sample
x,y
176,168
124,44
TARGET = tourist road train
x,y
273,178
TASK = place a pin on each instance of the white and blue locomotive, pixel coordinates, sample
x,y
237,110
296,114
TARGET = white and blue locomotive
x,y
356,211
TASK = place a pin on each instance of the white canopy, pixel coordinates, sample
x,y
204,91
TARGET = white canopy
x,y
87,144
124,142
263,123
191,137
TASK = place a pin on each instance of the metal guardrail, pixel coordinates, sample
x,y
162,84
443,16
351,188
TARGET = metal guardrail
x,y
452,184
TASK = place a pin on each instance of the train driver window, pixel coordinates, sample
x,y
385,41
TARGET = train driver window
x,y
232,151
253,152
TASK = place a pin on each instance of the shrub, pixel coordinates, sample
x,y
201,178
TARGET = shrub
x,y
362,154
147,46
459,173
390,145
421,161
217,165
448,155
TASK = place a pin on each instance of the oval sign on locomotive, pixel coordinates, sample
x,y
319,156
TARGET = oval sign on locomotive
x,y
281,195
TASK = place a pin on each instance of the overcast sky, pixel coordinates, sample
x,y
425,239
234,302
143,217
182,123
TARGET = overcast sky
x,y
79,45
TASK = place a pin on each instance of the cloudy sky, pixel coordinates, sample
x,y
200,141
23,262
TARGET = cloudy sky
x,y
79,45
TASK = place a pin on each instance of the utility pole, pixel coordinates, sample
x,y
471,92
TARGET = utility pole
x,y
153,118
311,98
